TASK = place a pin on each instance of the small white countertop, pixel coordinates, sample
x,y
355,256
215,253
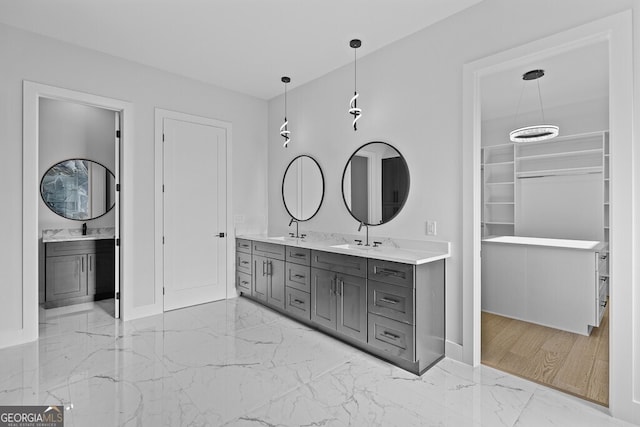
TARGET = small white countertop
x,y
75,234
389,251
593,245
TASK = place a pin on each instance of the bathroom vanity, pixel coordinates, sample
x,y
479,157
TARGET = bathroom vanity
x,y
78,268
387,301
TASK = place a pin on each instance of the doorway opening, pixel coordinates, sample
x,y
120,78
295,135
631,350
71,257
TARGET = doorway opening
x,y
544,311
72,141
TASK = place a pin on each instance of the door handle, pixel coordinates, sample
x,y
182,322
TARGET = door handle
x,y
221,234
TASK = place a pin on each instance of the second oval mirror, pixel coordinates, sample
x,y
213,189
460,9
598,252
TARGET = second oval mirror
x,y
375,183
303,188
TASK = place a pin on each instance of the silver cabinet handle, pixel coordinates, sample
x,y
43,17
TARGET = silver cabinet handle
x,y
90,263
388,272
299,302
389,301
298,276
341,287
264,263
390,335
332,290
298,255
269,268
82,263
244,262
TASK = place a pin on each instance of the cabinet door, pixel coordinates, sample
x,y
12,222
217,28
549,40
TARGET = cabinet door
x,y
275,283
323,298
352,306
260,278
104,272
66,277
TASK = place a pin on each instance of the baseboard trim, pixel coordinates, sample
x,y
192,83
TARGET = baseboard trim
x,y
453,351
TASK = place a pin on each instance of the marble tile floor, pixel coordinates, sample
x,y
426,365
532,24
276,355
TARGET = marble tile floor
x,y
236,363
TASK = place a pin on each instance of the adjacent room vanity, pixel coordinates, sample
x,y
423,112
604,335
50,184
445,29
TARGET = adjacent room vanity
x,y
78,268
387,301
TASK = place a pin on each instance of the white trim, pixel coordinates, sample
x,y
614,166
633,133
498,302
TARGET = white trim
x,y
32,92
617,31
453,350
160,115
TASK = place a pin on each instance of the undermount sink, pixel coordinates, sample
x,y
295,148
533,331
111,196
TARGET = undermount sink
x,y
352,247
282,238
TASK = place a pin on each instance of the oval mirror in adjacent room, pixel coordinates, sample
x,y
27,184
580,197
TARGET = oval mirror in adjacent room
x,y
78,189
303,188
375,183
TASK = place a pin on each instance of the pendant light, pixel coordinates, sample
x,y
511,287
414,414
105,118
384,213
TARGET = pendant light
x,y
353,103
540,132
284,131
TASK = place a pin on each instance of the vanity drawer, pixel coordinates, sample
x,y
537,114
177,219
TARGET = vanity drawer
x,y
391,336
298,277
243,245
603,263
391,272
602,304
298,303
269,250
339,263
394,302
78,247
243,282
243,262
298,255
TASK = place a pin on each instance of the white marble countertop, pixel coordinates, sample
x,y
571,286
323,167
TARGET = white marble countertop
x,y
412,252
75,234
592,245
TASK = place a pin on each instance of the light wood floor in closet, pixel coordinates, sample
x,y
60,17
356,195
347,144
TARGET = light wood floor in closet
x,y
573,363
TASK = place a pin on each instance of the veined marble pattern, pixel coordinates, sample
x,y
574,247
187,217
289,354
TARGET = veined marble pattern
x,y
237,363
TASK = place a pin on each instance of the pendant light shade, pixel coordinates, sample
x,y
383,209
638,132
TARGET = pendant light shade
x,y
533,133
284,129
353,103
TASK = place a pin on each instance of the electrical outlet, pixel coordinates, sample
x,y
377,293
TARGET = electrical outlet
x,y
431,228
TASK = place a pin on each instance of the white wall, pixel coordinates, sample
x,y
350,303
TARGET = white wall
x,y
411,96
26,56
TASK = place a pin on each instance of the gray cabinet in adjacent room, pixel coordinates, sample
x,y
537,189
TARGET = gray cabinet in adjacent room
x,y
79,271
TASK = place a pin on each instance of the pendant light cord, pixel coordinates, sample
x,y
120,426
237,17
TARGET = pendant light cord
x,y
540,100
355,72
515,121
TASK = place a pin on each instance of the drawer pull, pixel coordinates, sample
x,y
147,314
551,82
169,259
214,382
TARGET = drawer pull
x,y
299,302
298,255
244,262
389,301
388,272
244,245
390,335
298,276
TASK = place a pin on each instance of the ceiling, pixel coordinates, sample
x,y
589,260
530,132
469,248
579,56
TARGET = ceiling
x,y
242,45
579,75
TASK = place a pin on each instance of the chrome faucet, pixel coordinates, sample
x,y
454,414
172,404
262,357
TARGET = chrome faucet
x,y
362,224
291,222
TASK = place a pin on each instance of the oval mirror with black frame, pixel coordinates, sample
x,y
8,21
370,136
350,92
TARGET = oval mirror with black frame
x,y
303,188
78,189
375,183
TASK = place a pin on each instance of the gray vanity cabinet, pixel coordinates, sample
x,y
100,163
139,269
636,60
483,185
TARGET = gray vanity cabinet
x,y
268,276
78,271
298,282
339,300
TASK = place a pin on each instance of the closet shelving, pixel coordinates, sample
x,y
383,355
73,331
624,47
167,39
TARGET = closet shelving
x,y
504,165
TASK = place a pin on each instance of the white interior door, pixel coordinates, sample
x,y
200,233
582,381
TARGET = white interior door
x,y
194,213
116,207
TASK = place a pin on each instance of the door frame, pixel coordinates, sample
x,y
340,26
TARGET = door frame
x,y
616,30
32,93
160,115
